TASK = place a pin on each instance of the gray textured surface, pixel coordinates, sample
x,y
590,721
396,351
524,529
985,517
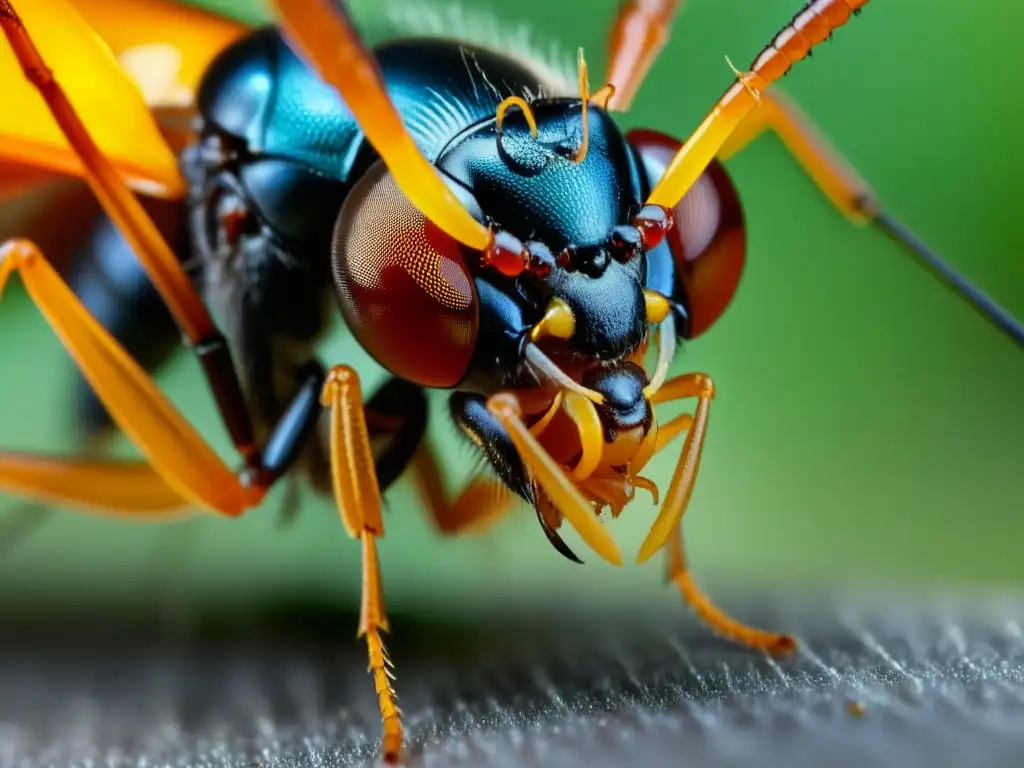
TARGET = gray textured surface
x,y
941,684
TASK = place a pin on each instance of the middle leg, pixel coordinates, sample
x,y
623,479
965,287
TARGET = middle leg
x,y
104,273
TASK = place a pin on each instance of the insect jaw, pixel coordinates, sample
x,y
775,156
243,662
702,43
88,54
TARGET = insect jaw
x,y
666,345
549,371
583,457
558,322
597,431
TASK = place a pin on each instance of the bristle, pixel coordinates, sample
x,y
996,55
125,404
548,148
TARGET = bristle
x,y
555,65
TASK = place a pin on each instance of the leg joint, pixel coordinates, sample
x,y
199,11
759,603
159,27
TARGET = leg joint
x,y
219,369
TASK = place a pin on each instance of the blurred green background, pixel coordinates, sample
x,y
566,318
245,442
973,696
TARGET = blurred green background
x,y
868,429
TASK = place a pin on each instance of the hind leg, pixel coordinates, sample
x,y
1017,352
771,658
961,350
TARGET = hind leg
x,y
853,197
178,457
106,276
57,81
180,461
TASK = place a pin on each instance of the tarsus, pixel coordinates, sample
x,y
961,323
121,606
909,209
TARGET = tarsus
x,y
946,272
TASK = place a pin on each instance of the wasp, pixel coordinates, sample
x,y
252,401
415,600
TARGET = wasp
x,y
481,227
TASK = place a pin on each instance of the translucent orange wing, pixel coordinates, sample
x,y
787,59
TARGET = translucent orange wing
x,y
116,62
165,46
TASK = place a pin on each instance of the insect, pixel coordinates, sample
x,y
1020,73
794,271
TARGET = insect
x,y
480,230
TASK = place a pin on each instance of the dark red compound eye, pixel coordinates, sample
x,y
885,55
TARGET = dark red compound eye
x,y
707,238
403,286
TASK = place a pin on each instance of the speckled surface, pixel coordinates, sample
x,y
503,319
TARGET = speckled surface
x,y
936,684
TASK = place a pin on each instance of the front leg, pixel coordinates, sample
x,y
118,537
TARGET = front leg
x,y
357,493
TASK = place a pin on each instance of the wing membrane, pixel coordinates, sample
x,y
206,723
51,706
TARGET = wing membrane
x,y
115,60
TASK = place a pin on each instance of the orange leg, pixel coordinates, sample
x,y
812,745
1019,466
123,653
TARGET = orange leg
x,y
852,196
679,574
808,28
178,455
639,34
561,491
480,504
683,480
129,487
117,199
34,509
709,613
837,181
670,430
358,497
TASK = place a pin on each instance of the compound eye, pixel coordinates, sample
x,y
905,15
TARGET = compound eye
x,y
403,286
707,239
